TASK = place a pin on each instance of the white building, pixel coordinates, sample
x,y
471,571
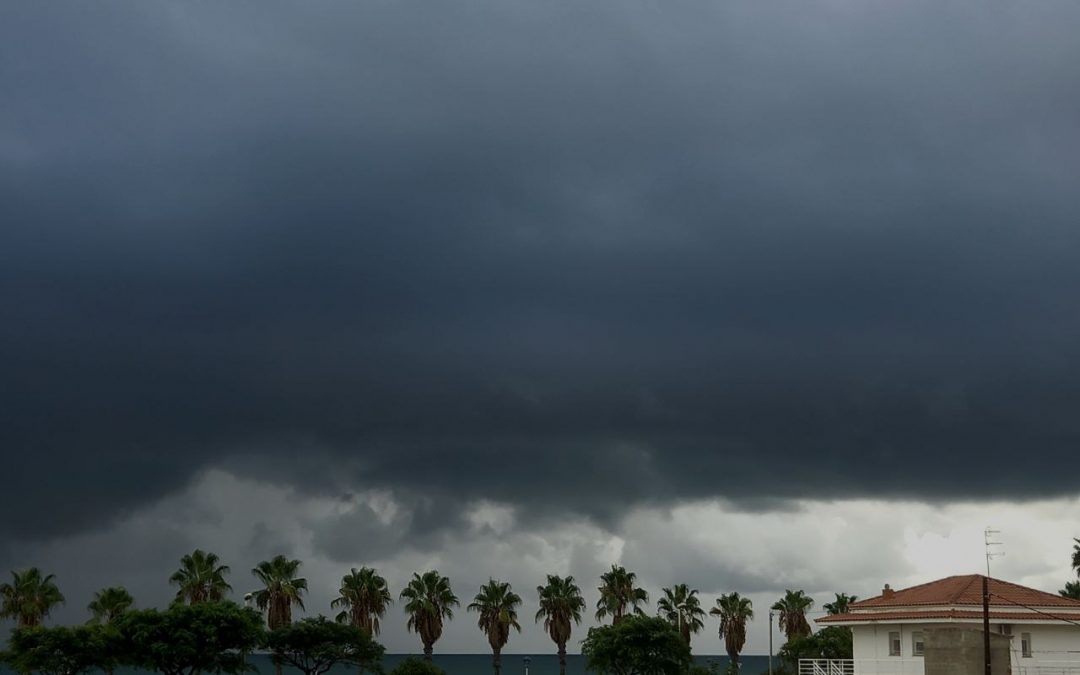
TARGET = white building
x,y
888,629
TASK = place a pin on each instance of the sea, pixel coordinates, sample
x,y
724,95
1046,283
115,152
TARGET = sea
x,y
480,664
545,664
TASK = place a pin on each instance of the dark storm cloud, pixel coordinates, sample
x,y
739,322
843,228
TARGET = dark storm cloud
x,y
568,257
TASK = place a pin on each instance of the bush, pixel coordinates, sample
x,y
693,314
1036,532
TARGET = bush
x,y
637,645
415,665
316,645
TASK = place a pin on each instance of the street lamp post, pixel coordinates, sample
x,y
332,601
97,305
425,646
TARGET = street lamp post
x,y
527,660
770,642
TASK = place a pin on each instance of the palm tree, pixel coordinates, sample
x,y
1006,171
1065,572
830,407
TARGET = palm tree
x,y
281,590
734,611
364,598
497,606
200,578
618,594
680,606
840,605
792,618
109,604
560,604
1076,555
429,600
29,597
1071,590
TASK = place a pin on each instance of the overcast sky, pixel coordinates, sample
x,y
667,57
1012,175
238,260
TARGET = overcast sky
x,y
748,295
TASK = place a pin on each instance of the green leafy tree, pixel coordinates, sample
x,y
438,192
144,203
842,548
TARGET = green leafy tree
x,y
62,650
561,606
734,611
1071,590
833,642
636,645
1076,555
29,597
316,645
109,604
282,589
681,606
792,609
618,595
496,604
429,601
363,599
201,578
207,637
840,605
415,666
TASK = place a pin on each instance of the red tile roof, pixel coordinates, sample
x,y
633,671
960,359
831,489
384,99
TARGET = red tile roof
x,y
966,590
951,615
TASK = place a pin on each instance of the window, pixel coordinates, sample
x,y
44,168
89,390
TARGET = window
x,y
917,643
1025,645
1005,629
894,644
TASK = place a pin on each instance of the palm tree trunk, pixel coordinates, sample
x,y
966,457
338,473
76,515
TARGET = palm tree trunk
x,y
562,658
496,660
428,649
277,666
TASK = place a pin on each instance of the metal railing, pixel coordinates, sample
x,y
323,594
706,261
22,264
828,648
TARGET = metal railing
x,y
861,667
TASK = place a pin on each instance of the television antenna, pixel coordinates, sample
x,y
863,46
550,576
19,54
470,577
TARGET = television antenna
x,y
991,552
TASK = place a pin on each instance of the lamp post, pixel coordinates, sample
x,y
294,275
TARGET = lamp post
x,y
527,660
770,642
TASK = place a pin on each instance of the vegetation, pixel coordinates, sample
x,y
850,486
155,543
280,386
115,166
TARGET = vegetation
x,y
619,595
206,637
415,666
561,605
1071,590
833,642
316,645
636,645
734,611
109,604
29,597
429,601
281,590
363,598
792,610
62,650
201,578
840,605
497,606
681,606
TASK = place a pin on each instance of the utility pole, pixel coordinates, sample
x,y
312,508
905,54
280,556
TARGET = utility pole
x,y
988,535
986,623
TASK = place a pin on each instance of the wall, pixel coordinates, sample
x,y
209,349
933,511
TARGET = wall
x,y
961,651
1051,644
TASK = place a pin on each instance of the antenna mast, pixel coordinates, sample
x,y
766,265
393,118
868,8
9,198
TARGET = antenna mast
x,y
991,553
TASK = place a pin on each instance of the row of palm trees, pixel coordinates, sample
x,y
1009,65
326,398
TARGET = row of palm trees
x,y
429,601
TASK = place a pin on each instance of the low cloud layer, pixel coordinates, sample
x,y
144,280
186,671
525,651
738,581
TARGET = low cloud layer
x,y
820,546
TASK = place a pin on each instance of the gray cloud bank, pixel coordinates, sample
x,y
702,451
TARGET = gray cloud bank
x,y
571,257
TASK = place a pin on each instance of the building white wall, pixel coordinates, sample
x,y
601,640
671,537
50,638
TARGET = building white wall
x,y
1050,644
